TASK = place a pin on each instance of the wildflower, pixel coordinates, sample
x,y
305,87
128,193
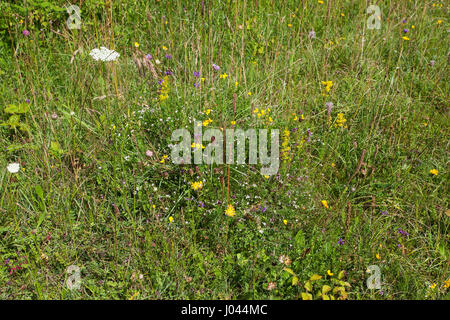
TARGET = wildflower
x,y
328,85
230,211
432,286
413,27
223,76
289,25
164,91
405,30
405,38
341,241
384,212
447,283
271,286
104,54
168,56
325,204
157,61
136,44
432,62
13,167
236,83
249,93
197,185
170,219
342,14
285,222
216,67
164,48
378,256
26,33
149,56
434,171
439,21
164,158
197,74
208,111
340,121
330,273
285,260
320,1
149,153
233,123
207,122
312,34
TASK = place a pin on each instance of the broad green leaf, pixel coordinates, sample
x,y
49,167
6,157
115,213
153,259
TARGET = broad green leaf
x,y
315,277
341,274
294,280
325,297
306,296
289,270
308,285
325,289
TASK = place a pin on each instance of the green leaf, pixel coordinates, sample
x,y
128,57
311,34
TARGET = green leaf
x,y
308,285
325,289
315,277
294,280
289,270
341,274
306,296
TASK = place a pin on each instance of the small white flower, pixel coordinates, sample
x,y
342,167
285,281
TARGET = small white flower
x,y
13,167
157,61
104,54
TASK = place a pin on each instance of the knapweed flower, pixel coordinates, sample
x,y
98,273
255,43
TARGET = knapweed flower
x,y
216,67
230,211
104,54
434,172
26,33
197,185
13,167
325,203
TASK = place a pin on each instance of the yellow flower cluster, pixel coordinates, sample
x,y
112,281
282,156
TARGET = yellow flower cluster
x,y
164,158
197,145
285,149
197,185
328,85
207,122
164,92
340,121
230,211
263,113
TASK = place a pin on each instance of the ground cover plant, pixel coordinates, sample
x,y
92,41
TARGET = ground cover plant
x,y
92,206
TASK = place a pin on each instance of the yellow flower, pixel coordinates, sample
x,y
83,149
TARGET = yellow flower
x,y
249,93
206,122
285,221
256,110
413,27
325,203
230,211
405,38
439,21
330,273
233,123
342,14
164,48
208,111
447,283
197,185
223,76
170,219
136,44
153,206
433,286
434,171
378,256
164,158
236,84
320,1
289,25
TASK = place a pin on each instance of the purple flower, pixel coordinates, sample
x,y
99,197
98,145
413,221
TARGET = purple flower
x,y
312,34
216,67
149,56
384,212
27,100
405,30
341,241
402,232
201,204
197,74
168,72
263,209
26,33
168,56
404,21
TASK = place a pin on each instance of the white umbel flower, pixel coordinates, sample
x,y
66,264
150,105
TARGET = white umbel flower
x,y
104,54
13,167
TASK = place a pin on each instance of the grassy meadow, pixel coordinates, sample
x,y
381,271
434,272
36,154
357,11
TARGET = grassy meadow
x,y
86,177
